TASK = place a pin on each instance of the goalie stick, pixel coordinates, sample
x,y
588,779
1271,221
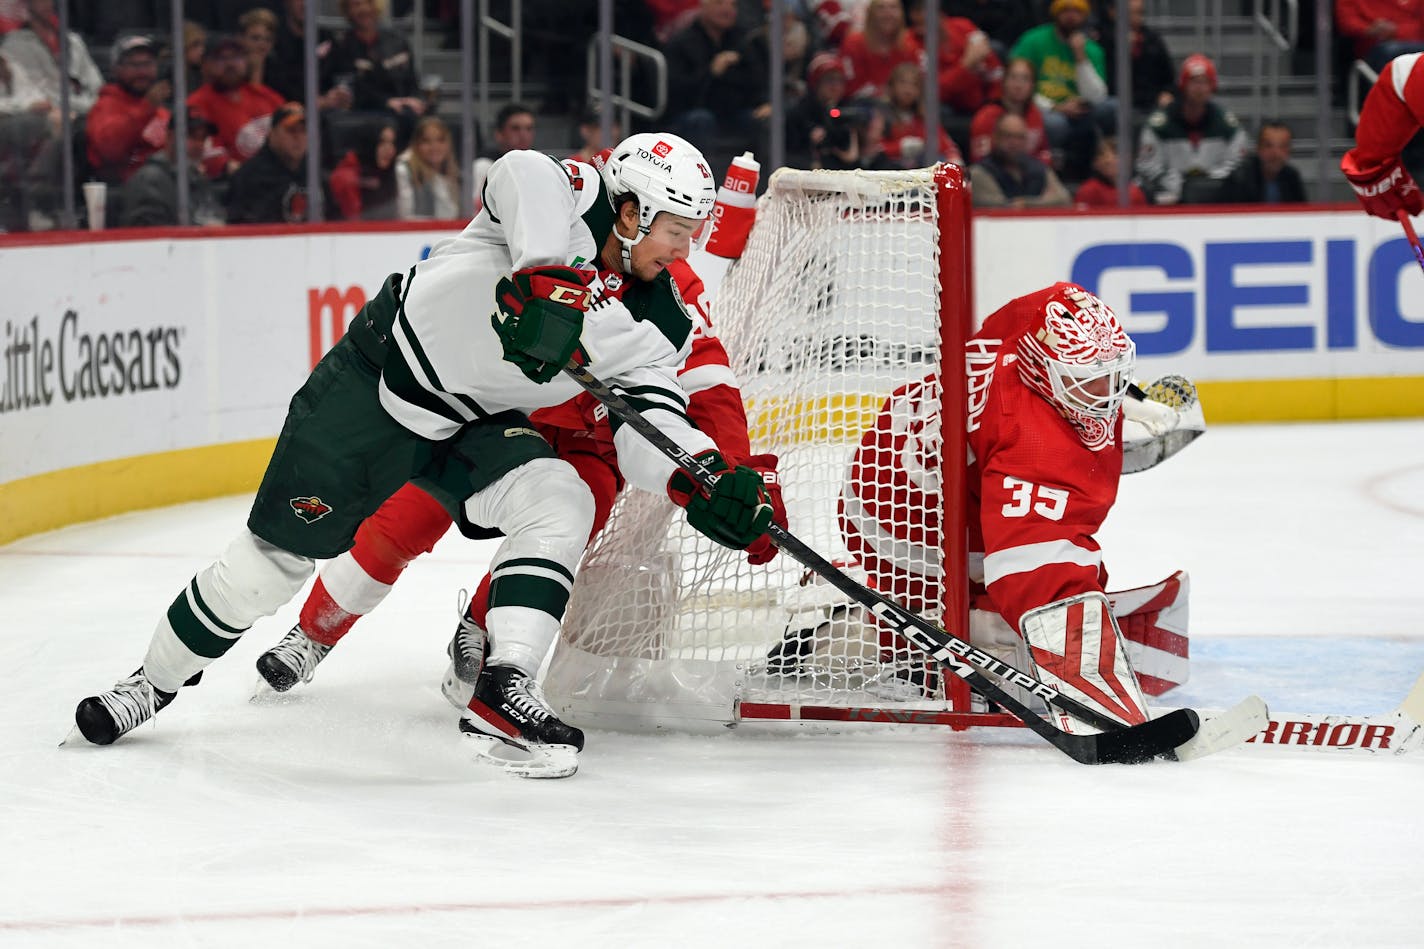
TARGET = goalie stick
x,y
1178,735
1399,731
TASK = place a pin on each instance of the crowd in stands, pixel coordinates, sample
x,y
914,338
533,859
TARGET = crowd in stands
x,y
1028,97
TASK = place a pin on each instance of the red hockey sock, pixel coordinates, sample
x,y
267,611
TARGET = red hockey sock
x,y
322,620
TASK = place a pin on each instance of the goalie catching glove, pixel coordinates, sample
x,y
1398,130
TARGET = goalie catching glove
x,y
1159,422
540,318
735,512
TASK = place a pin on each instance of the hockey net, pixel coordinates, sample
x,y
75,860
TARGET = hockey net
x,y
852,284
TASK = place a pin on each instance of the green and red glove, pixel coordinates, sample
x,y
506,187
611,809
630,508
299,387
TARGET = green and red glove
x,y
762,550
540,318
735,512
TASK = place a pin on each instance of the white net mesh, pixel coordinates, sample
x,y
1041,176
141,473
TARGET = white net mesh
x,y
834,305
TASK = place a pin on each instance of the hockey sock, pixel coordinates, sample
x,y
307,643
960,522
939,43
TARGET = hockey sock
x,y
251,580
343,593
480,603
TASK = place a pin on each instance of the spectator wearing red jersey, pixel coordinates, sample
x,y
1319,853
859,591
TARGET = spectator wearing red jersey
x,y
904,139
970,72
1017,97
129,122
871,52
1099,190
1381,29
241,111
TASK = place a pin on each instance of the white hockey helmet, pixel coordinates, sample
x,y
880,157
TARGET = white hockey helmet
x,y
665,173
1078,357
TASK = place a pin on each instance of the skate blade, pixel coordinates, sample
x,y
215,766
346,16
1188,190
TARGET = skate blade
x,y
456,692
538,761
264,694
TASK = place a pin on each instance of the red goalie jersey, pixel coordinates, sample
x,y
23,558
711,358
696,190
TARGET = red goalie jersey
x,y
1039,485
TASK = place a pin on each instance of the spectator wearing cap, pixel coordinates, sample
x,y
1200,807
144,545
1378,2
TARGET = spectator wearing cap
x,y
271,187
819,130
35,49
240,110
1187,150
1072,81
883,43
149,198
129,122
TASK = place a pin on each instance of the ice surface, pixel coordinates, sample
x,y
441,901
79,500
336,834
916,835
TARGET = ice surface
x,y
349,814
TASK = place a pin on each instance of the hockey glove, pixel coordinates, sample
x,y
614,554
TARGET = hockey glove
x,y
1384,189
540,318
762,550
737,509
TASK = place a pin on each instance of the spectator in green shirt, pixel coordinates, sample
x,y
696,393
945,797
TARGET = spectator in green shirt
x,y
1072,82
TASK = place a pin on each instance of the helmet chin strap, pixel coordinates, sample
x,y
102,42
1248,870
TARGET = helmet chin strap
x,y
625,245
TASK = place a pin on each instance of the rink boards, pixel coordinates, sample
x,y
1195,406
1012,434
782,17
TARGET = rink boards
x,y
145,368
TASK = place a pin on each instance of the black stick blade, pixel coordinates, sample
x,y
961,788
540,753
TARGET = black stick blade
x,y
1154,739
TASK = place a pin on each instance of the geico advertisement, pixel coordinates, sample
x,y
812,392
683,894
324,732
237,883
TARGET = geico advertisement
x,y
111,350
1232,296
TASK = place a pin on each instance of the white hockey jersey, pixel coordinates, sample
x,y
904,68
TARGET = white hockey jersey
x,y
446,367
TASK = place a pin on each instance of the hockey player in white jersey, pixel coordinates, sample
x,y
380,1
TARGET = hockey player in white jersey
x,y
433,383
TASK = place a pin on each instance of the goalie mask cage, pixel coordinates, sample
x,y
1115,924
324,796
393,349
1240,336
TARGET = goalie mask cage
x,y
852,285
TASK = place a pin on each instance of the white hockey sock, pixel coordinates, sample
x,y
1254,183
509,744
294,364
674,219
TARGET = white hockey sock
x,y
252,579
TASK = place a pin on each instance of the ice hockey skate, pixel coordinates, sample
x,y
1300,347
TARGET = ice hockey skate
x,y
512,727
294,659
105,718
468,650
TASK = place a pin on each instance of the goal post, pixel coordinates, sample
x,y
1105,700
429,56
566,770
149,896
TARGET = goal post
x,y
853,285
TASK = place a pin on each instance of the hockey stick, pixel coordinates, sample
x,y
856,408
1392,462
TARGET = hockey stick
x,y
1408,225
1177,735
1399,731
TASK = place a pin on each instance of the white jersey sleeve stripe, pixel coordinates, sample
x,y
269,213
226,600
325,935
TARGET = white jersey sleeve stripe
x,y
1403,67
701,378
1030,557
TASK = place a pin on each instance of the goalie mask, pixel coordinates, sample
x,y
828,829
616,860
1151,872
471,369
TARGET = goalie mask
x,y
1080,359
665,173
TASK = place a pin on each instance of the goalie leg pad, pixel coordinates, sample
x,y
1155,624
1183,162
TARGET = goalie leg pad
x,y
1153,622
1077,649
